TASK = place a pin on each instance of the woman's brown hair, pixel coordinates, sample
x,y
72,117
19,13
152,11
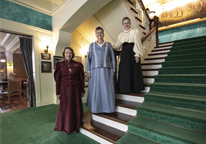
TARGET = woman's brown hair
x,y
69,48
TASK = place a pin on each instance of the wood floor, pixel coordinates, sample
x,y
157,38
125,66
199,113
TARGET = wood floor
x,y
16,105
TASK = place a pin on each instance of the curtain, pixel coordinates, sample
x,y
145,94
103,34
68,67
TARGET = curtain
x,y
26,50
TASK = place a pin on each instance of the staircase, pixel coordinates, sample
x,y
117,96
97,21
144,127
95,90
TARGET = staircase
x,y
174,111
108,128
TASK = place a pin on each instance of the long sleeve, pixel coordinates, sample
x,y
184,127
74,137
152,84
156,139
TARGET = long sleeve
x,y
118,45
112,57
89,59
57,78
81,72
137,44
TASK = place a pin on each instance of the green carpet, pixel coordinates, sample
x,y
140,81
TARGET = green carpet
x,y
36,126
174,111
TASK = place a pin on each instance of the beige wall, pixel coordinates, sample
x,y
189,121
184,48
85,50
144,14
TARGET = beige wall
x,y
80,46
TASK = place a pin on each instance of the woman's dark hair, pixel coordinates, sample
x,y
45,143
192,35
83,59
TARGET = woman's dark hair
x,y
126,18
69,48
99,28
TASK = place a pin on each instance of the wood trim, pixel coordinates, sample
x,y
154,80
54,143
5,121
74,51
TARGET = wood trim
x,y
126,106
148,76
166,43
157,54
133,94
149,69
162,46
155,58
160,49
151,63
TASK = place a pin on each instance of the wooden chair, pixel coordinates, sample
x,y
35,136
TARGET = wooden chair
x,y
14,88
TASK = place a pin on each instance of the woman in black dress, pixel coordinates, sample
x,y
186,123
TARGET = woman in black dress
x,y
130,78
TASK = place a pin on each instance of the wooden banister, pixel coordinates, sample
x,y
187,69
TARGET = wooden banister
x,y
148,34
143,8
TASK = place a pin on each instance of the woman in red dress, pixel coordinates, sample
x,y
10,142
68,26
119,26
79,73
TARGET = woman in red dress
x,y
69,77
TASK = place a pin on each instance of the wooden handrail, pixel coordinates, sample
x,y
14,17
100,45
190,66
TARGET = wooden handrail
x,y
148,34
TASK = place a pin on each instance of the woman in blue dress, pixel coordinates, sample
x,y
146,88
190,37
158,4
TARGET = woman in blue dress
x,y
101,71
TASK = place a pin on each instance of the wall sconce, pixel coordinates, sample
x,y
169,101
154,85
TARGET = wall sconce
x,y
9,63
2,60
46,50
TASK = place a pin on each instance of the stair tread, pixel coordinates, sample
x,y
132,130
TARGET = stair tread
x,y
117,116
168,130
133,139
109,136
177,96
127,104
180,55
181,84
132,94
155,58
173,111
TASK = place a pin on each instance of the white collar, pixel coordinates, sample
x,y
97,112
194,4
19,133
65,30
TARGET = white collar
x,y
126,31
101,44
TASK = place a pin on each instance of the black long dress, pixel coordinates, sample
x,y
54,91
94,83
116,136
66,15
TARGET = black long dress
x,y
130,79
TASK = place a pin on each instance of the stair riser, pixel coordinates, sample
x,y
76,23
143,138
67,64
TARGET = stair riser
x,y
159,52
130,98
154,136
127,111
185,63
182,52
111,123
192,70
181,79
165,47
173,119
149,73
148,80
189,41
155,61
151,66
94,137
157,56
168,44
189,90
186,57
146,90
177,102
185,47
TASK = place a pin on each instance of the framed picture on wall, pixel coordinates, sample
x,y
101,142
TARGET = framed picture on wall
x,y
57,59
45,56
46,67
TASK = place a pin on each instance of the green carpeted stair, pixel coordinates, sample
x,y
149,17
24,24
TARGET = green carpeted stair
x,y
174,111
177,100
181,78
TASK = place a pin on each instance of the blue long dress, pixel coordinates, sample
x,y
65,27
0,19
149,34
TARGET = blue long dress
x,y
101,90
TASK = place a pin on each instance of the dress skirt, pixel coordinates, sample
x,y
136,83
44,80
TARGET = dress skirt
x,y
70,112
101,93
130,79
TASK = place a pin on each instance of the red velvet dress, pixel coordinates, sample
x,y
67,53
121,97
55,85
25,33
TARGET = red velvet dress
x,y
69,84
